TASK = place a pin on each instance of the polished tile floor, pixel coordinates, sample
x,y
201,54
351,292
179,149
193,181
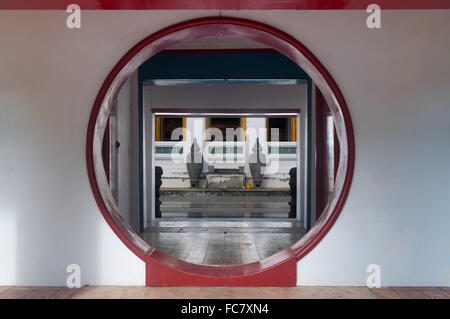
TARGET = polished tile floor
x,y
222,242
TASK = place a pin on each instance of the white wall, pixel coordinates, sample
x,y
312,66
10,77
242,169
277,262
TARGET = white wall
x,y
227,96
396,82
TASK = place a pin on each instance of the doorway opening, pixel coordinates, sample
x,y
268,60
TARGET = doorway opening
x,y
222,183
280,267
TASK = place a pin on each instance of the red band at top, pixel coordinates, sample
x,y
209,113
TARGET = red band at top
x,y
221,4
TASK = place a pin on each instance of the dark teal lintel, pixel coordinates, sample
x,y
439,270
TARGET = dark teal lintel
x,y
247,65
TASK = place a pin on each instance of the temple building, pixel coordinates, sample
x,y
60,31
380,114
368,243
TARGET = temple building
x,y
224,154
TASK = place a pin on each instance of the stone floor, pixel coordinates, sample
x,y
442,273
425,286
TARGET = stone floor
x,y
224,242
224,293
210,205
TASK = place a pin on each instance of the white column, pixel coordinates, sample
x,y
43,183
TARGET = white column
x,y
259,125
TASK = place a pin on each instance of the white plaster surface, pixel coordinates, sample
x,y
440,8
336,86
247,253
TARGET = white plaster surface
x,y
396,82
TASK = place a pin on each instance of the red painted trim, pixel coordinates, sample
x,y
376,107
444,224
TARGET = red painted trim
x,y
106,151
161,268
222,4
164,270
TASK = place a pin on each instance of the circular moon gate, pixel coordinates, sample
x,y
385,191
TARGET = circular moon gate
x,y
162,269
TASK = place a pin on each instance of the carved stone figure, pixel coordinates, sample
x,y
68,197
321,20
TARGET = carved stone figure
x,y
257,160
194,163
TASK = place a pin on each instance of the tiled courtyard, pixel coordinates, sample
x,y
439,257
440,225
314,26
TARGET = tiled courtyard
x,y
227,242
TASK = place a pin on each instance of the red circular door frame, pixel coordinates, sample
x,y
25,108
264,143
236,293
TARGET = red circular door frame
x,y
162,269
